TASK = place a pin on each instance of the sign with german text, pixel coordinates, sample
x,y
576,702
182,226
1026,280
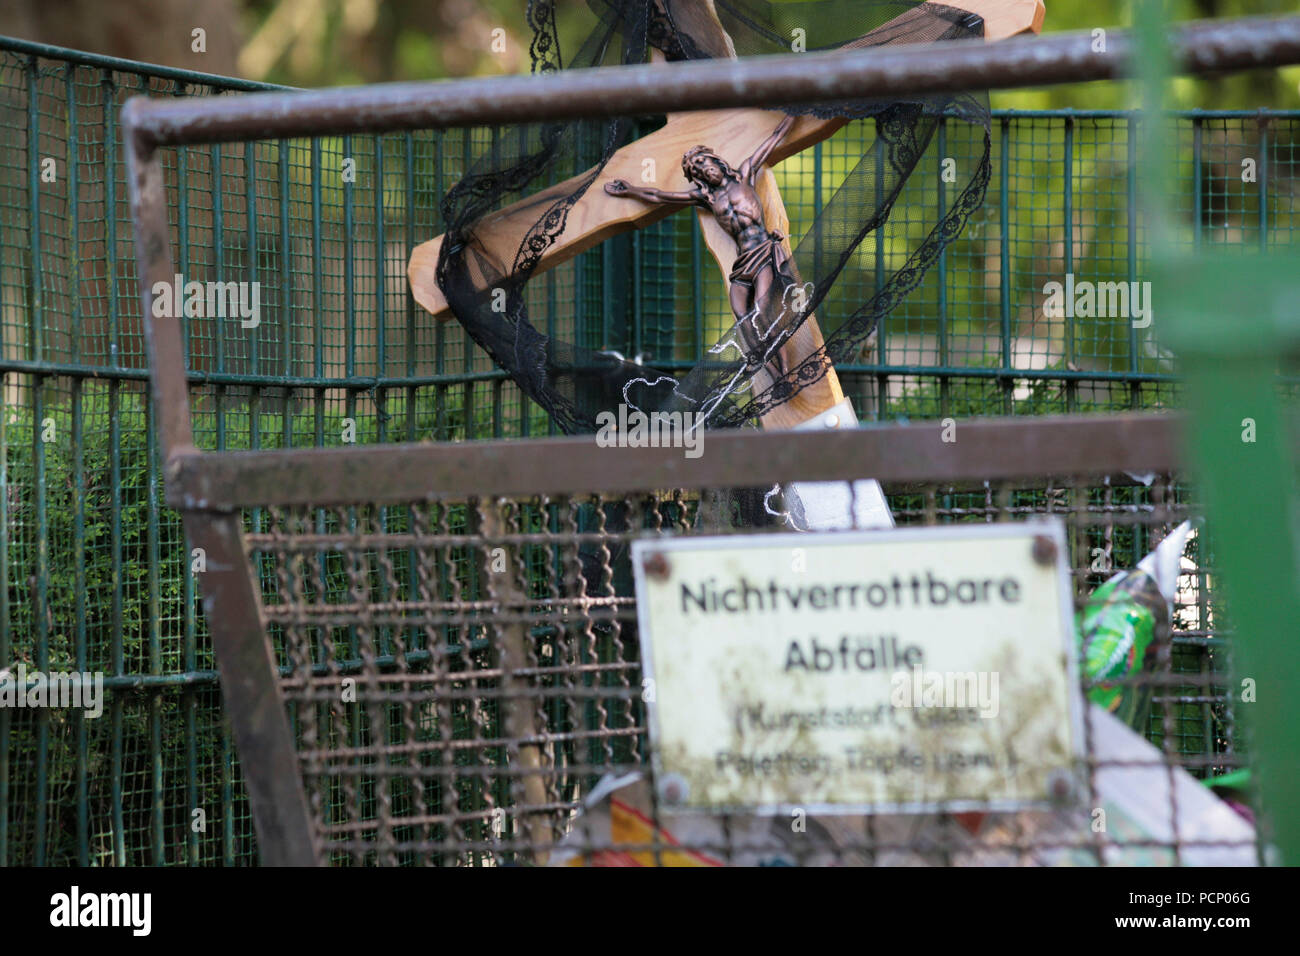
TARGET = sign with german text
x,y
901,670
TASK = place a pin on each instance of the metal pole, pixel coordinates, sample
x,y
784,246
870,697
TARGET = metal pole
x,y
1229,322
880,72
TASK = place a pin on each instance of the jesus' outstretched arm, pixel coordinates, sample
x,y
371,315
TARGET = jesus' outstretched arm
x,y
620,187
751,166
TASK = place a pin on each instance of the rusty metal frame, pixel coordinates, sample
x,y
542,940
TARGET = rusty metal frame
x,y
880,72
210,488
990,449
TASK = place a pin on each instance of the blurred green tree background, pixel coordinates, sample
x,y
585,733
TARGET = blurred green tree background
x,y
334,42
341,42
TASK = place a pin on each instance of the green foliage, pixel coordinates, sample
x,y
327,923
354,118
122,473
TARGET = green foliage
x,y
101,494
94,535
84,500
424,39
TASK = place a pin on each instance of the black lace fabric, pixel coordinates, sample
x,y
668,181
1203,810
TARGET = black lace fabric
x,y
839,275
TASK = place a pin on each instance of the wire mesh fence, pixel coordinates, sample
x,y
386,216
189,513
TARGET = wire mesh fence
x,y
97,573
462,674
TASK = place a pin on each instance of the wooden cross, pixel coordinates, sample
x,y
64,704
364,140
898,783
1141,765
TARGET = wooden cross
x,y
735,134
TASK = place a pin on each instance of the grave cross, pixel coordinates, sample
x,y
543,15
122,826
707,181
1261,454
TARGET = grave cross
x,y
736,134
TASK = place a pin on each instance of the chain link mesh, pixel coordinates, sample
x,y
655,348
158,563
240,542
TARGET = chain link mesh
x,y
461,674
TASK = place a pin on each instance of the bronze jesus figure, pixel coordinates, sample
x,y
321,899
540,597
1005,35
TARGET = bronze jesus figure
x,y
762,269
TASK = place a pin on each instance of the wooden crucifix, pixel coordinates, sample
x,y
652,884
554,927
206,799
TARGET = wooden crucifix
x,y
759,138
762,270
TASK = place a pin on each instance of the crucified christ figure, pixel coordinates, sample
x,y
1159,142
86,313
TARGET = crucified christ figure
x,y
762,274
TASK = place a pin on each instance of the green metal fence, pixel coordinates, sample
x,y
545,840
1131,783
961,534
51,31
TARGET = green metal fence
x,y
97,574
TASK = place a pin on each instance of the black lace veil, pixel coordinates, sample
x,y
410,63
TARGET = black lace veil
x,y
835,260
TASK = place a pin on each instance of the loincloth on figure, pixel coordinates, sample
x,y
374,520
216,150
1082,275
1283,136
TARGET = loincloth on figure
x,y
763,254
767,252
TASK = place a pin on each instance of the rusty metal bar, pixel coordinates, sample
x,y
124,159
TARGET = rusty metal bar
x,y
251,688
520,716
244,656
165,339
992,449
880,72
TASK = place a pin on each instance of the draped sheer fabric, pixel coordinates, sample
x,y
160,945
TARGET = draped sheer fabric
x,y
843,282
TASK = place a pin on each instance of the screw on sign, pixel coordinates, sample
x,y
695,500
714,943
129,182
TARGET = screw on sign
x,y
673,789
656,565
